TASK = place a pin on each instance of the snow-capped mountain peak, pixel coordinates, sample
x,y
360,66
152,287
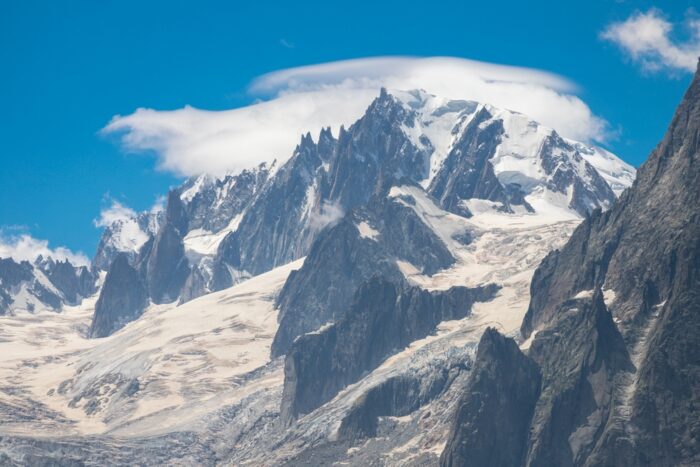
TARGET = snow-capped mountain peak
x,y
549,171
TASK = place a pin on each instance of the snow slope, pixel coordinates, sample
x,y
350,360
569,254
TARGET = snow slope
x,y
521,154
160,373
505,249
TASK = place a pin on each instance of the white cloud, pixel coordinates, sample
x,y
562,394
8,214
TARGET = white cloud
x,y
647,38
190,141
328,216
24,247
115,212
285,43
158,205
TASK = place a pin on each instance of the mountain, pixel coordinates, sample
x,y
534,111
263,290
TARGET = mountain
x,y
238,226
478,436
324,310
613,324
45,285
125,235
373,240
381,320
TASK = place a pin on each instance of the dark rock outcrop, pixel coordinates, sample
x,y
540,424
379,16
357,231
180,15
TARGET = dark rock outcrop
x,y
73,282
195,285
549,407
167,267
344,256
398,396
582,357
647,251
467,172
321,182
382,319
621,381
123,299
490,427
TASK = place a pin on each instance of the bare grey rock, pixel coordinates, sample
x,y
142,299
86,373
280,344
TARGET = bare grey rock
x,y
646,251
382,319
343,257
49,284
490,427
122,299
614,320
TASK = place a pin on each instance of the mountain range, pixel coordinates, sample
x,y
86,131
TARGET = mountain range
x,y
443,282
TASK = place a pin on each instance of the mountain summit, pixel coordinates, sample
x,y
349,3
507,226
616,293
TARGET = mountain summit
x,y
472,158
329,308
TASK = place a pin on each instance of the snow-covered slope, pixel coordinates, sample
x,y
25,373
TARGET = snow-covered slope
x,y
161,373
127,234
544,166
204,366
505,253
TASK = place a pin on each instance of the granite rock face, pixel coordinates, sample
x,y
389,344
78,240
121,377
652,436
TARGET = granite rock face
x,y
614,322
123,298
645,252
321,182
399,396
212,203
583,359
75,283
383,318
367,242
467,172
490,427
549,407
167,267
276,227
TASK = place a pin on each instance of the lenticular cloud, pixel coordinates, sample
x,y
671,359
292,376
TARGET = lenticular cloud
x,y
290,102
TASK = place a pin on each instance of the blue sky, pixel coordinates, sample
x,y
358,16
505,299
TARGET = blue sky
x,y
69,67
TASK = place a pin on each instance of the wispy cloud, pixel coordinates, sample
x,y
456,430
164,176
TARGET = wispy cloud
x,y
158,205
24,247
113,213
285,43
648,39
329,215
290,102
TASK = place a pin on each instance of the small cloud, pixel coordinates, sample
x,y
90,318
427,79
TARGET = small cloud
x,y
328,216
647,38
285,43
24,247
158,205
115,212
